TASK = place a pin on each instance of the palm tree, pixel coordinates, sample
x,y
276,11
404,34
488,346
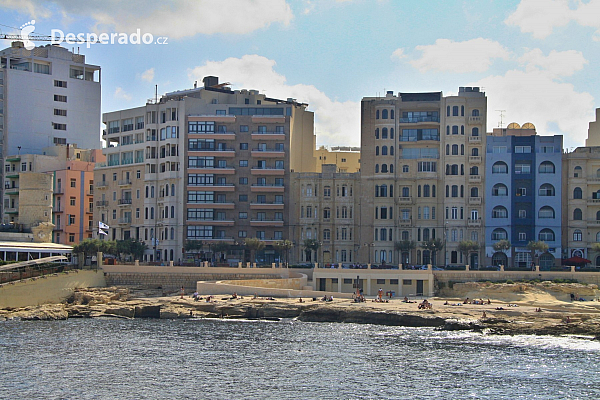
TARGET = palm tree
x,y
467,247
311,245
433,245
284,245
254,244
404,246
539,246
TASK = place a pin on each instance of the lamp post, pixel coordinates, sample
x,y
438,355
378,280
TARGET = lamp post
x,y
369,246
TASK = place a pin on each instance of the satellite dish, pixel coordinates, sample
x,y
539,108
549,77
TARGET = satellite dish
x,y
528,125
514,125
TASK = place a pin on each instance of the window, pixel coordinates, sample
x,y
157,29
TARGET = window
x,y
475,132
327,191
577,214
546,235
499,149
243,163
60,112
405,169
243,197
546,212
499,189
62,84
425,166
499,234
521,191
577,193
73,182
62,99
522,236
577,172
243,181
522,149
499,212
547,190
500,168
546,168
522,214
522,168
59,127
72,201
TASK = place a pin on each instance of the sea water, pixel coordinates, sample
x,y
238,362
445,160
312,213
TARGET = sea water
x,y
233,359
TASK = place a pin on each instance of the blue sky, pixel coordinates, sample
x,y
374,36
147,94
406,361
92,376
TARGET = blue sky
x,y
538,60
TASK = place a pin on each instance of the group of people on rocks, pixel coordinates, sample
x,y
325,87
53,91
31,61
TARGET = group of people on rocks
x,y
425,305
479,302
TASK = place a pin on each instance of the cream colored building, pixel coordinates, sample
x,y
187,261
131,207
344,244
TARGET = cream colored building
x,y
207,164
346,158
422,175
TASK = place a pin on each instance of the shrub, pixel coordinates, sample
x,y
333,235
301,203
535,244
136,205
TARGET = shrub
x,y
509,282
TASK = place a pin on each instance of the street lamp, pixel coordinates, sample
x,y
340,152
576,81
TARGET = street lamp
x,y
369,246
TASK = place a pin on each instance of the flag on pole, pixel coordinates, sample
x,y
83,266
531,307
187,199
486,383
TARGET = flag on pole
x,y
101,232
102,225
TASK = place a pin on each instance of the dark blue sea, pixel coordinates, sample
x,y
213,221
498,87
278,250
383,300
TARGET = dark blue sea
x,y
216,359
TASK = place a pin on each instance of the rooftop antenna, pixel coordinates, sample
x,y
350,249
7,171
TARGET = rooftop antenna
x,y
155,94
501,125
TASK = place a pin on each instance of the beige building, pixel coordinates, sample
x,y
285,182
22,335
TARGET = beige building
x,y
593,138
207,164
422,175
346,158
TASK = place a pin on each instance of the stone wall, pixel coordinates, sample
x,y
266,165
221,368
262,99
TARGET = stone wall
x,y
48,289
474,276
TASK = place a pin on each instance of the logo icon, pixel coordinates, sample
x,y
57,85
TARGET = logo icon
x,y
26,29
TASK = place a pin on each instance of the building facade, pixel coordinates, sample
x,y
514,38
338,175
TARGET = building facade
x,y
207,164
523,195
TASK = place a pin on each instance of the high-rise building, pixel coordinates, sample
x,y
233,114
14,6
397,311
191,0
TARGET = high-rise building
x,y
523,195
207,164
421,161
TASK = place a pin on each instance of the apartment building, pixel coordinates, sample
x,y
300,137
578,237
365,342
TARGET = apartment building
x,y
346,158
581,196
523,195
207,164
421,175
55,189
324,208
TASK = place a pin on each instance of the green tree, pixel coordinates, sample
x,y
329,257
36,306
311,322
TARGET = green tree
x,y
193,245
254,245
220,247
501,245
311,245
130,246
433,245
90,247
404,246
539,246
283,247
467,247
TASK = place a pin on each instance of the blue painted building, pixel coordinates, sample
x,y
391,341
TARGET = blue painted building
x,y
523,195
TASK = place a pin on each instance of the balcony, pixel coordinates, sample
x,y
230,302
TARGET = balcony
x,y
216,187
213,222
593,222
268,188
474,222
125,202
474,139
12,174
57,227
102,184
89,193
478,119
266,222
404,223
124,220
268,136
223,152
416,120
267,153
89,211
13,159
57,209
89,228
11,190
270,171
124,182
215,205
592,202
475,159
474,200
226,170
474,178
405,200
213,135
11,210
102,203
266,206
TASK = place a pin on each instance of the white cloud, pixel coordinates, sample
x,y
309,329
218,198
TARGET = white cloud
x,y
558,63
398,54
148,75
171,18
336,123
540,17
473,55
121,94
536,96
310,7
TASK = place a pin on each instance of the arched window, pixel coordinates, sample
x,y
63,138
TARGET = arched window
x,y
500,167
447,129
391,167
598,261
376,190
391,150
577,214
432,190
474,192
475,131
376,168
499,258
454,169
546,167
167,190
454,149
577,194
547,190
447,191
454,190
455,129
577,173
597,216
474,170
577,235
499,234
376,150
447,111
426,191
384,114
475,113
377,114
546,212
499,212
462,111
391,192
384,168
384,133
462,169
475,151
419,191
499,189
447,149
425,234
405,191
462,149
384,150
392,132
462,129
455,111
376,133
391,114
546,235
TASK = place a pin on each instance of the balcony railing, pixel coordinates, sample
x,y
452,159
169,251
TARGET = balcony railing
x,y
101,184
124,182
474,139
267,133
125,220
418,119
124,202
102,203
474,222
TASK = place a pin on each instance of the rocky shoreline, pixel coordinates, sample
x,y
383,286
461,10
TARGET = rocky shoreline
x,y
122,303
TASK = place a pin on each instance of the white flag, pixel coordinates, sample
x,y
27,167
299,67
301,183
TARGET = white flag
x,y
101,232
102,225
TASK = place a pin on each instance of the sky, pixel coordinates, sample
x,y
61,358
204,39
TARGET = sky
x,y
537,60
